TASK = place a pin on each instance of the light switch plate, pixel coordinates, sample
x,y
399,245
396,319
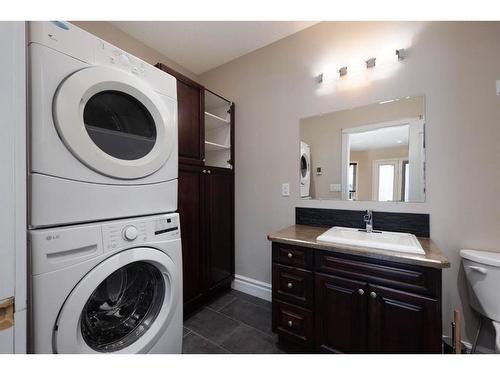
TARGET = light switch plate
x,y
335,187
285,189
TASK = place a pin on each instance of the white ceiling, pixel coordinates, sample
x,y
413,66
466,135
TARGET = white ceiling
x,y
394,136
203,45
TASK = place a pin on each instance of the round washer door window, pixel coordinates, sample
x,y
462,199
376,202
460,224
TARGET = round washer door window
x,y
114,122
123,307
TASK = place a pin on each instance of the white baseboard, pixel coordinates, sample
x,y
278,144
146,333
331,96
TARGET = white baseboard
x,y
253,287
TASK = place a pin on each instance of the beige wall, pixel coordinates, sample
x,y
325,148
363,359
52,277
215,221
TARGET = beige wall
x,y
323,133
365,161
454,65
120,39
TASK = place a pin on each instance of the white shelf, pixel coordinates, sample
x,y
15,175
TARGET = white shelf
x,y
211,146
213,122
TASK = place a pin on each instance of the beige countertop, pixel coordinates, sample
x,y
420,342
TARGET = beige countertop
x,y
305,235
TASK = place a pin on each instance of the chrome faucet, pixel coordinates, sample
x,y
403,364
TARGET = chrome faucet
x,y
368,219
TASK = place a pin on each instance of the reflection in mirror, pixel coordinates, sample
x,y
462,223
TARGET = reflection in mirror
x,y
375,152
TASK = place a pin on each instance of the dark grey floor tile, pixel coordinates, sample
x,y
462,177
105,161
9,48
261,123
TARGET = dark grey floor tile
x,y
185,331
255,300
247,340
222,301
258,317
212,325
195,344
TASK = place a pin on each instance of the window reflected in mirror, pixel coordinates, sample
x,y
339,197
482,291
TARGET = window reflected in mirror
x,y
370,153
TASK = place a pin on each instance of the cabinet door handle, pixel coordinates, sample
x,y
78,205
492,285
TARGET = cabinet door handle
x,y
373,295
289,285
290,255
361,292
290,323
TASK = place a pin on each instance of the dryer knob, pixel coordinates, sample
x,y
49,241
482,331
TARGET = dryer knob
x,y
130,233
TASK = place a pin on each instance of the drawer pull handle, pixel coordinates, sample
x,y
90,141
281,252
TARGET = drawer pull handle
x,y
289,285
290,255
290,323
361,292
373,295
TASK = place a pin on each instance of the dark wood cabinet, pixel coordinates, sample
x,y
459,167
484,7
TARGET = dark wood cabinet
x,y
402,322
191,213
355,304
190,122
205,190
340,314
219,206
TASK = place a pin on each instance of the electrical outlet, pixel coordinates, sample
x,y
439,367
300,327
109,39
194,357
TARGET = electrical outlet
x,y
285,189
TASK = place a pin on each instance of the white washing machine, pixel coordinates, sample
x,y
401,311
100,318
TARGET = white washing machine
x,y
305,170
111,287
103,130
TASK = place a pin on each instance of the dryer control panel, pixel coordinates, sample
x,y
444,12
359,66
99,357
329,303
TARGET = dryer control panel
x,y
119,234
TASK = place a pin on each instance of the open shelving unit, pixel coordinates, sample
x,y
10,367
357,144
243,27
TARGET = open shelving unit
x,y
217,131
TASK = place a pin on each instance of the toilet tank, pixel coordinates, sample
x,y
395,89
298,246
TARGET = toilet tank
x,y
482,269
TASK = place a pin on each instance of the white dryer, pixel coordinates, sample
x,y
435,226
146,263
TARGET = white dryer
x,y
112,287
305,170
103,130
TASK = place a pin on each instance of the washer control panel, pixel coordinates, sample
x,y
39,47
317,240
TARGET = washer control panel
x,y
121,233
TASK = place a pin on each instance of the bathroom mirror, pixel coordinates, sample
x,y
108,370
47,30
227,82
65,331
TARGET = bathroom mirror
x,y
371,153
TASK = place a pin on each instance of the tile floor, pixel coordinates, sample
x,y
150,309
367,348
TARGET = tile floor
x,y
233,323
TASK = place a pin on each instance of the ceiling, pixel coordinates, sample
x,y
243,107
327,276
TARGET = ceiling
x,y
203,45
393,136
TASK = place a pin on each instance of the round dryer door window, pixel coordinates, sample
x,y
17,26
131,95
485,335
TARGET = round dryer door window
x,y
114,122
123,305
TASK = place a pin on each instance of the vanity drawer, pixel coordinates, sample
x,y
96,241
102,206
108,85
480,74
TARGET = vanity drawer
x,y
392,274
293,285
293,323
293,255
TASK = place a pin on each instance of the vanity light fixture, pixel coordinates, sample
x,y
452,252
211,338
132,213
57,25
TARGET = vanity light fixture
x,y
343,71
370,63
401,54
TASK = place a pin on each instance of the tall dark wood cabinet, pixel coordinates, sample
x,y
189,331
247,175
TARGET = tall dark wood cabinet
x,y
205,191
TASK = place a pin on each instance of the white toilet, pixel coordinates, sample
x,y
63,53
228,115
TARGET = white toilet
x,y
482,269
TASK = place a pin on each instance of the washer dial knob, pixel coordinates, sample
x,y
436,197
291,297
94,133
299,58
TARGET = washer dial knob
x,y
130,233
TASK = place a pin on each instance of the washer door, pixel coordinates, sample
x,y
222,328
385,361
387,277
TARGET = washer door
x,y
113,122
121,306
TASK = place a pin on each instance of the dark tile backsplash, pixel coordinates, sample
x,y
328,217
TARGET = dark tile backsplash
x,y
418,224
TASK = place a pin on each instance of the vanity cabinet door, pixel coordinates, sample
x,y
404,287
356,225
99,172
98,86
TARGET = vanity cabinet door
x,y
402,322
340,314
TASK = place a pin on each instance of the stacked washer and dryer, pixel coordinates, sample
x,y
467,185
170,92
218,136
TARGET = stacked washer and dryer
x,y
105,248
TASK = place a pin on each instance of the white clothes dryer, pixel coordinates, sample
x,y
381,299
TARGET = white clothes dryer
x,y
110,287
103,130
305,170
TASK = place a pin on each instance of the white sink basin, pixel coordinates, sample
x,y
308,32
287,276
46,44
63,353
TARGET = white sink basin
x,y
403,242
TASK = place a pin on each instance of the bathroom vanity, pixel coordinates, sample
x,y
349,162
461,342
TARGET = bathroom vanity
x,y
352,299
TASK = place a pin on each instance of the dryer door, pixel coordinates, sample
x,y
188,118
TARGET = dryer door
x,y
123,305
113,122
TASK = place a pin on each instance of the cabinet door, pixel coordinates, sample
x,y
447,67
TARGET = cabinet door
x,y
190,104
190,207
221,226
402,322
340,314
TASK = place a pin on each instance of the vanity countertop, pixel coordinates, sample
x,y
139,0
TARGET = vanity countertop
x,y
305,236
